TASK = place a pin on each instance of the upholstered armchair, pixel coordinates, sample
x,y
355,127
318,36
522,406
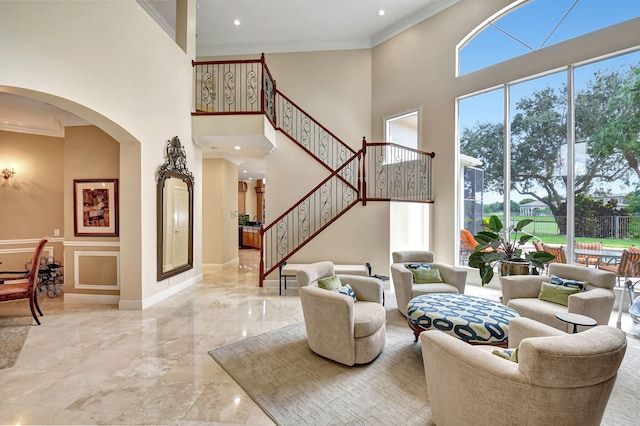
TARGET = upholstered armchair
x,y
453,278
521,292
558,379
347,330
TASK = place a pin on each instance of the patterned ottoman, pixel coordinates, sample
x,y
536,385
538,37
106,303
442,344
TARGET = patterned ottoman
x,y
473,319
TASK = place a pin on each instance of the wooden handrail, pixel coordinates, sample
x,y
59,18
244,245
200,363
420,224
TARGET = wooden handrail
x,y
226,62
417,151
330,133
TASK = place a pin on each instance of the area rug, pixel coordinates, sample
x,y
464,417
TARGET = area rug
x,y
13,334
294,386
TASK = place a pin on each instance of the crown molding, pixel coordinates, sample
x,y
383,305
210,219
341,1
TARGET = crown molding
x,y
56,129
153,12
257,48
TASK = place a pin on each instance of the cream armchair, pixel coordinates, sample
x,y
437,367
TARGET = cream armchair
x,y
559,379
339,328
521,292
454,279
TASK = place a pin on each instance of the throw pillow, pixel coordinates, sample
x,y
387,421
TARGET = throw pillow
x,y
426,276
330,283
347,290
510,354
581,285
556,293
418,265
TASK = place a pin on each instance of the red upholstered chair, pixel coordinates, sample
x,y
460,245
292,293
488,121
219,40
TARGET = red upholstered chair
x,y
9,292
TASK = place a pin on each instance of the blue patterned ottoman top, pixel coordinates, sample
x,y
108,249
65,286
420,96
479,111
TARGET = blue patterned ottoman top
x,y
469,318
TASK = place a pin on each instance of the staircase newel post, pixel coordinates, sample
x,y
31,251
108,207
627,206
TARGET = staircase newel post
x,y
261,255
363,178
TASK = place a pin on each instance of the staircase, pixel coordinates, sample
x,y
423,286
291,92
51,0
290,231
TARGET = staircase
x,y
395,173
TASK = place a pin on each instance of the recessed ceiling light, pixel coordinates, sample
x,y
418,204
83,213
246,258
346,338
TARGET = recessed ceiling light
x,y
244,171
236,22
381,12
237,147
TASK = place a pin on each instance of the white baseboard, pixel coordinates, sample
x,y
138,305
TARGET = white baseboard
x,y
139,305
92,299
232,262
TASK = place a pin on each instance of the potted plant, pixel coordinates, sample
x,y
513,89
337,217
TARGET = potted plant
x,y
497,245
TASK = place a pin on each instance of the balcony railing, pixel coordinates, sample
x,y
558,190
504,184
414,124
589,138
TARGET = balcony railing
x,y
397,173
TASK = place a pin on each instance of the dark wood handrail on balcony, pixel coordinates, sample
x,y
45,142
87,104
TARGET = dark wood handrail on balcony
x,y
396,173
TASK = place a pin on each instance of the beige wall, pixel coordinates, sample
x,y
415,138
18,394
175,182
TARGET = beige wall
x,y
251,199
334,87
32,200
111,64
417,69
220,201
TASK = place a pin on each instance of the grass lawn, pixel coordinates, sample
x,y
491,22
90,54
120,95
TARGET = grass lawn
x,y
562,239
546,229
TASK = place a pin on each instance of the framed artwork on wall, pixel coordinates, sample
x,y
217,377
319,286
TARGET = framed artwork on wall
x,y
95,205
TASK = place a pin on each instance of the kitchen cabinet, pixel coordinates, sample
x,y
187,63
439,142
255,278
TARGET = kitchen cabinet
x,y
251,237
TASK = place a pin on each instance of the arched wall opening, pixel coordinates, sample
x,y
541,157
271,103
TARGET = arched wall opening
x,y
97,269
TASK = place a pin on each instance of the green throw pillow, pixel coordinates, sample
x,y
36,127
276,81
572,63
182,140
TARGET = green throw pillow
x,y
426,276
557,293
510,354
331,283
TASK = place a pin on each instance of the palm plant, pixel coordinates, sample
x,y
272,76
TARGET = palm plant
x,y
497,244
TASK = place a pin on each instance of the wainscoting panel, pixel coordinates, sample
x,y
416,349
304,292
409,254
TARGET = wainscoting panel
x,y
97,270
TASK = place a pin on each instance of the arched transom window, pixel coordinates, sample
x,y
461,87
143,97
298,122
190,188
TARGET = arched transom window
x,y
527,26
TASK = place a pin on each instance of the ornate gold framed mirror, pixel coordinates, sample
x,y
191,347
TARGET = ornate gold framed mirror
x,y
175,213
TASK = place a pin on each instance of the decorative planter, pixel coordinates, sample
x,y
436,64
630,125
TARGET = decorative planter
x,y
515,267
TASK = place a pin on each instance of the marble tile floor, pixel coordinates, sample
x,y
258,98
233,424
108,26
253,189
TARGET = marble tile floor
x,y
95,364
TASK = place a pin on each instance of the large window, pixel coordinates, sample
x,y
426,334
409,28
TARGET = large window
x,y
538,124
481,156
570,158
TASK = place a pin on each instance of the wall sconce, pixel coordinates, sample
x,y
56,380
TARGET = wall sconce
x,y
8,173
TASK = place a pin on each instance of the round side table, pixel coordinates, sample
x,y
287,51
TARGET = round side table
x,y
576,320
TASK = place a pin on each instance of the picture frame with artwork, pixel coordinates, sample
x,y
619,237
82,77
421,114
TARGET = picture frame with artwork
x,y
95,204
